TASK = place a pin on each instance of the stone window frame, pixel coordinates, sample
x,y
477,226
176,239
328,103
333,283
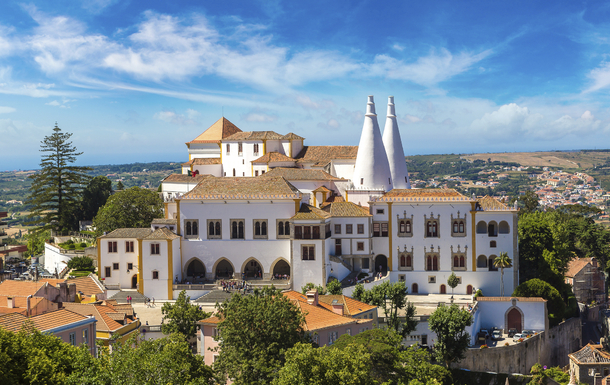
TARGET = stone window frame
x,y
405,253
107,271
216,228
129,265
432,279
402,278
237,221
381,232
457,221
460,254
432,253
281,223
155,248
359,246
337,228
408,225
193,225
115,266
360,228
379,211
486,261
155,274
349,228
129,247
309,257
264,228
112,247
434,221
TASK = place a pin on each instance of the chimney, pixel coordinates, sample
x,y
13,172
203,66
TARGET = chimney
x,y
10,302
337,307
312,297
594,262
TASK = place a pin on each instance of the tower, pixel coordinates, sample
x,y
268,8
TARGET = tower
x,y
394,150
372,170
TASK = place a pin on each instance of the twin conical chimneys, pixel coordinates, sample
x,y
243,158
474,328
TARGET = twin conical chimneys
x,y
380,163
394,150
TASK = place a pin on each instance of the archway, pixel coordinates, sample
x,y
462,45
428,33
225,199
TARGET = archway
x,y
280,269
252,269
381,264
492,229
443,289
514,319
414,288
224,269
481,227
504,228
469,289
195,271
134,281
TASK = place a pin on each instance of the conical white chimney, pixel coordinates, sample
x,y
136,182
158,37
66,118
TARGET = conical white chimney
x,y
394,150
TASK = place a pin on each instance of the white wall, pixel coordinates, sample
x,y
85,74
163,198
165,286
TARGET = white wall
x,y
493,314
204,150
209,169
304,272
120,276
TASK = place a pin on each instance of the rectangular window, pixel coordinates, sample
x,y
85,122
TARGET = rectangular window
x,y
191,228
308,253
360,229
237,229
240,148
298,232
255,172
337,229
130,266
228,149
214,229
360,246
327,230
306,232
112,247
154,248
376,229
384,229
380,211
365,263
107,272
316,232
255,148
115,266
85,336
155,275
338,250
260,228
348,331
73,339
348,229
332,337
129,246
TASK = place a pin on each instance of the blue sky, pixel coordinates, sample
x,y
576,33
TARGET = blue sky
x,y
135,80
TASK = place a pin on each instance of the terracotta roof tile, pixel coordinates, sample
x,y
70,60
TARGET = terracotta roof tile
x,y
272,157
576,265
201,162
423,195
139,233
322,155
162,233
221,129
351,306
317,317
322,189
244,188
184,178
163,221
292,136
210,321
310,212
42,322
87,285
22,288
488,203
300,174
346,209
104,322
591,354
255,135
508,299
13,321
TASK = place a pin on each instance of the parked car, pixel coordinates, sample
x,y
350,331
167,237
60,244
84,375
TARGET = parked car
x,y
512,332
496,335
528,332
486,332
518,336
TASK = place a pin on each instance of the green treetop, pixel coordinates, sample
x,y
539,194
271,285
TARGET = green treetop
x,y
449,323
182,316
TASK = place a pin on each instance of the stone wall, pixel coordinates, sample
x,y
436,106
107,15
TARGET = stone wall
x,y
549,349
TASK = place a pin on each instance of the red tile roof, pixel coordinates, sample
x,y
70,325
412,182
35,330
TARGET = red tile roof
x,y
322,155
423,195
244,188
272,157
300,174
87,285
43,322
184,178
221,129
201,161
576,265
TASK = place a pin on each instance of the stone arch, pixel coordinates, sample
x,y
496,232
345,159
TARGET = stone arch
x,y
443,289
492,258
469,289
504,228
514,318
195,270
134,281
414,288
492,229
482,227
282,265
223,268
251,268
481,261
381,260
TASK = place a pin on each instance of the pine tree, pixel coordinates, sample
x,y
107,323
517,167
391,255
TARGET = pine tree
x,y
56,189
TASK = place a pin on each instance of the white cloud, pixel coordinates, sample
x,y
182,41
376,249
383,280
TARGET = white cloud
x,y
63,104
53,103
6,110
398,47
600,77
306,102
259,117
97,6
331,124
509,121
178,119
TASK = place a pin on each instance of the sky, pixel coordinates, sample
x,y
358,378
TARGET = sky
x,y
134,80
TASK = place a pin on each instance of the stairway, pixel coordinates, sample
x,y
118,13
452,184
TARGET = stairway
x,y
121,296
214,296
351,276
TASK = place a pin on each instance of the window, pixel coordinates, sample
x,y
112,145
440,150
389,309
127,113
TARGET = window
x,y
315,338
327,230
298,232
337,229
402,278
481,227
404,228
307,232
405,261
155,275
365,263
380,229
233,172
432,228
283,228
481,261
115,266
360,229
85,336
256,172
154,248
191,227
361,181
308,253
338,250
260,229
130,266
380,211
459,262
458,228
214,229
348,229
237,229
240,148
491,263
504,228
431,279
73,339
228,149
432,262
360,246
332,337
107,272
492,244
316,232
112,247
255,148
492,229
129,246
348,331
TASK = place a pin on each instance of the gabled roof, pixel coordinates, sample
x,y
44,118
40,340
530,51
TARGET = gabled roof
x,y
272,157
346,209
255,135
292,136
21,288
591,354
322,189
105,323
310,212
43,322
423,195
351,306
216,132
201,161
576,265
162,233
244,188
184,178
87,285
488,203
300,174
138,233
163,221
322,155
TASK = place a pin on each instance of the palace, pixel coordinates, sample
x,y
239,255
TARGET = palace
x,y
262,205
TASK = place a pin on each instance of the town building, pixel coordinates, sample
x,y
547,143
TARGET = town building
x,y
587,280
260,205
591,363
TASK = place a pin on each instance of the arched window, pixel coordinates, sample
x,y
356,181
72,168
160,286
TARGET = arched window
x,y
188,228
257,228
429,228
434,229
435,263
414,288
217,226
491,263
481,261
429,263
240,231
408,227
462,261
456,261
403,227
461,227
195,229
234,229
264,228
492,229
443,289
287,228
211,229
456,227
409,261
280,229
403,261
482,227
504,228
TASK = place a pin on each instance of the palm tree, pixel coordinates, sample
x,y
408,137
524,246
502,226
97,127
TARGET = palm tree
x,y
503,261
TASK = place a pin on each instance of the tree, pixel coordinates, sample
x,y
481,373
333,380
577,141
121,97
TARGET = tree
x,y
311,286
95,196
36,240
182,316
255,332
392,297
453,281
449,323
502,262
538,288
56,189
530,202
334,287
134,207
81,263
120,186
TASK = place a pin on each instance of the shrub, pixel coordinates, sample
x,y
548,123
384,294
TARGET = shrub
x,y
81,263
506,344
478,294
83,245
538,288
484,346
71,246
69,242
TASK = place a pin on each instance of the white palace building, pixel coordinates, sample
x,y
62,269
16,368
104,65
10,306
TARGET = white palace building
x,y
265,206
